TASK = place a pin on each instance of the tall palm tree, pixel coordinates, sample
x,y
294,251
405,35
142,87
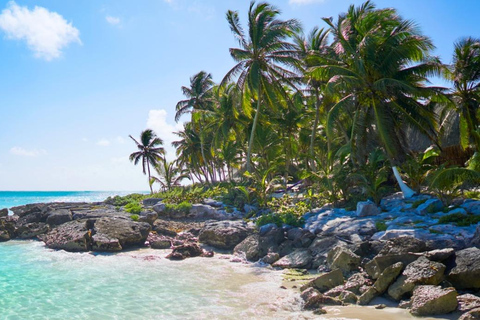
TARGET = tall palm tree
x,y
199,100
384,65
150,151
259,60
188,151
465,74
169,174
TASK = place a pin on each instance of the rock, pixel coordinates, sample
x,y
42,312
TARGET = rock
x,y
367,296
439,254
344,259
149,202
159,242
327,281
148,217
400,249
213,203
420,272
300,258
472,206
185,251
465,271
250,246
320,248
58,217
31,230
319,311
387,277
430,206
312,298
224,234
475,241
405,304
7,229
3,212
366,209
101,242
301,238
431,300
160,208
471,315
202,211
35,209
271,257
71,236
357,281
129,233
348,297
467,302
161,227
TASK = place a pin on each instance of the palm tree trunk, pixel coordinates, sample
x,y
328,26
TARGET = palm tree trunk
x,y
149,177
254,126
314,130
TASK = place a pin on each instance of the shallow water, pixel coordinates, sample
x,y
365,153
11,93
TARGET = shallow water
x,y
39,283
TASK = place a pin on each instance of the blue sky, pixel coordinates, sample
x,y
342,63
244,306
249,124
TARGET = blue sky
x,y
79,76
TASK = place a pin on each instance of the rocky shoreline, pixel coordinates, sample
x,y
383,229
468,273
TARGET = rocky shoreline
x,y
397,250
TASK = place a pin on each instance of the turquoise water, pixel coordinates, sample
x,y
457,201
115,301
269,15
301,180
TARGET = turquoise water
x,y
10,199
39,283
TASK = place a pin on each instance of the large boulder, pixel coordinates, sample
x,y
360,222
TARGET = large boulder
x,y
161,227
129,233
157,241
366,209
199,210
258,245
31,230
184,251
148,217
420,272
464,272
320,248
300,258
7,229
387,277
326,281
431,300
475,241
344,259
224,234
367,296
105,243
71,236
430,206
400,249
57,217
314,299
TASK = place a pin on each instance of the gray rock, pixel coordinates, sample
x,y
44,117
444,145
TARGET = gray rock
x,y
357,281
3,212
102,242
160,208
344,259
129,233
400,287
366,209
271,258
301,238
7,229
312,298
439,254
475,241
31,230
348,297
367,296
327,281
213,203
187,250
465,272
467,302
148,217
159,242
431,300
224,234
251,248
472,206
300,258
149,202
58,217
161,228
430,206
71,236
202,211
387,277
320,248
36,208
473,314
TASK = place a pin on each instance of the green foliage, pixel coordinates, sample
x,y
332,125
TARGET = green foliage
x,y
461,220
120,201
239,196
134,217
262,184
180,207
418,202
284,210
418,167
133,207
472,194
447,183
381,226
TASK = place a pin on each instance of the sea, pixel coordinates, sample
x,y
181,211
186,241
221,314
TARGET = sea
x,y
41,283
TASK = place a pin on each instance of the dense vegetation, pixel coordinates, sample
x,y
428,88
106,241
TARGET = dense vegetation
x,y
334,109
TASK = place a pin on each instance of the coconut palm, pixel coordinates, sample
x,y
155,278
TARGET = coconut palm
x,y
150,151
199,100
465,74
383,67
188,151
259,60
169,174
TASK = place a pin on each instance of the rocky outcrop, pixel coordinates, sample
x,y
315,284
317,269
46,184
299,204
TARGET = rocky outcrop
x,y
473,314
71,236
128,233
467,302
327,281
149,202
344,259
224,234
465,270
3,213
260,244
387,277
431,300
58,217
159,241
31,230
300,258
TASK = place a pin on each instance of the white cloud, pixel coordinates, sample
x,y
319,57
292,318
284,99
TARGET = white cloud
x,y
302,2
19,151
157,121
103,142
46,33
113,20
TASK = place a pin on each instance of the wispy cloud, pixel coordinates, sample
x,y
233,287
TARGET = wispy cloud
x,y
302,2
19,151
115,21
103,143
157,121
46,33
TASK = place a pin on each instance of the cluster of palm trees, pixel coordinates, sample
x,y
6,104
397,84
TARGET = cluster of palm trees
x,y
295,105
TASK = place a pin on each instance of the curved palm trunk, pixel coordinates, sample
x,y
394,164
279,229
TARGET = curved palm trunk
x,y
149,177
314,130
254,126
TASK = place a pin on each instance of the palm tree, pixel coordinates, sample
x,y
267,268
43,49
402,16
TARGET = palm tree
x,y
263,51
199,100
169,174
149,151
465,74
188,151
384,65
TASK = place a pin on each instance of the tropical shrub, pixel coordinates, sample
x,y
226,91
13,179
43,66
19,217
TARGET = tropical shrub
x,y
460,219
134,217
133,207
